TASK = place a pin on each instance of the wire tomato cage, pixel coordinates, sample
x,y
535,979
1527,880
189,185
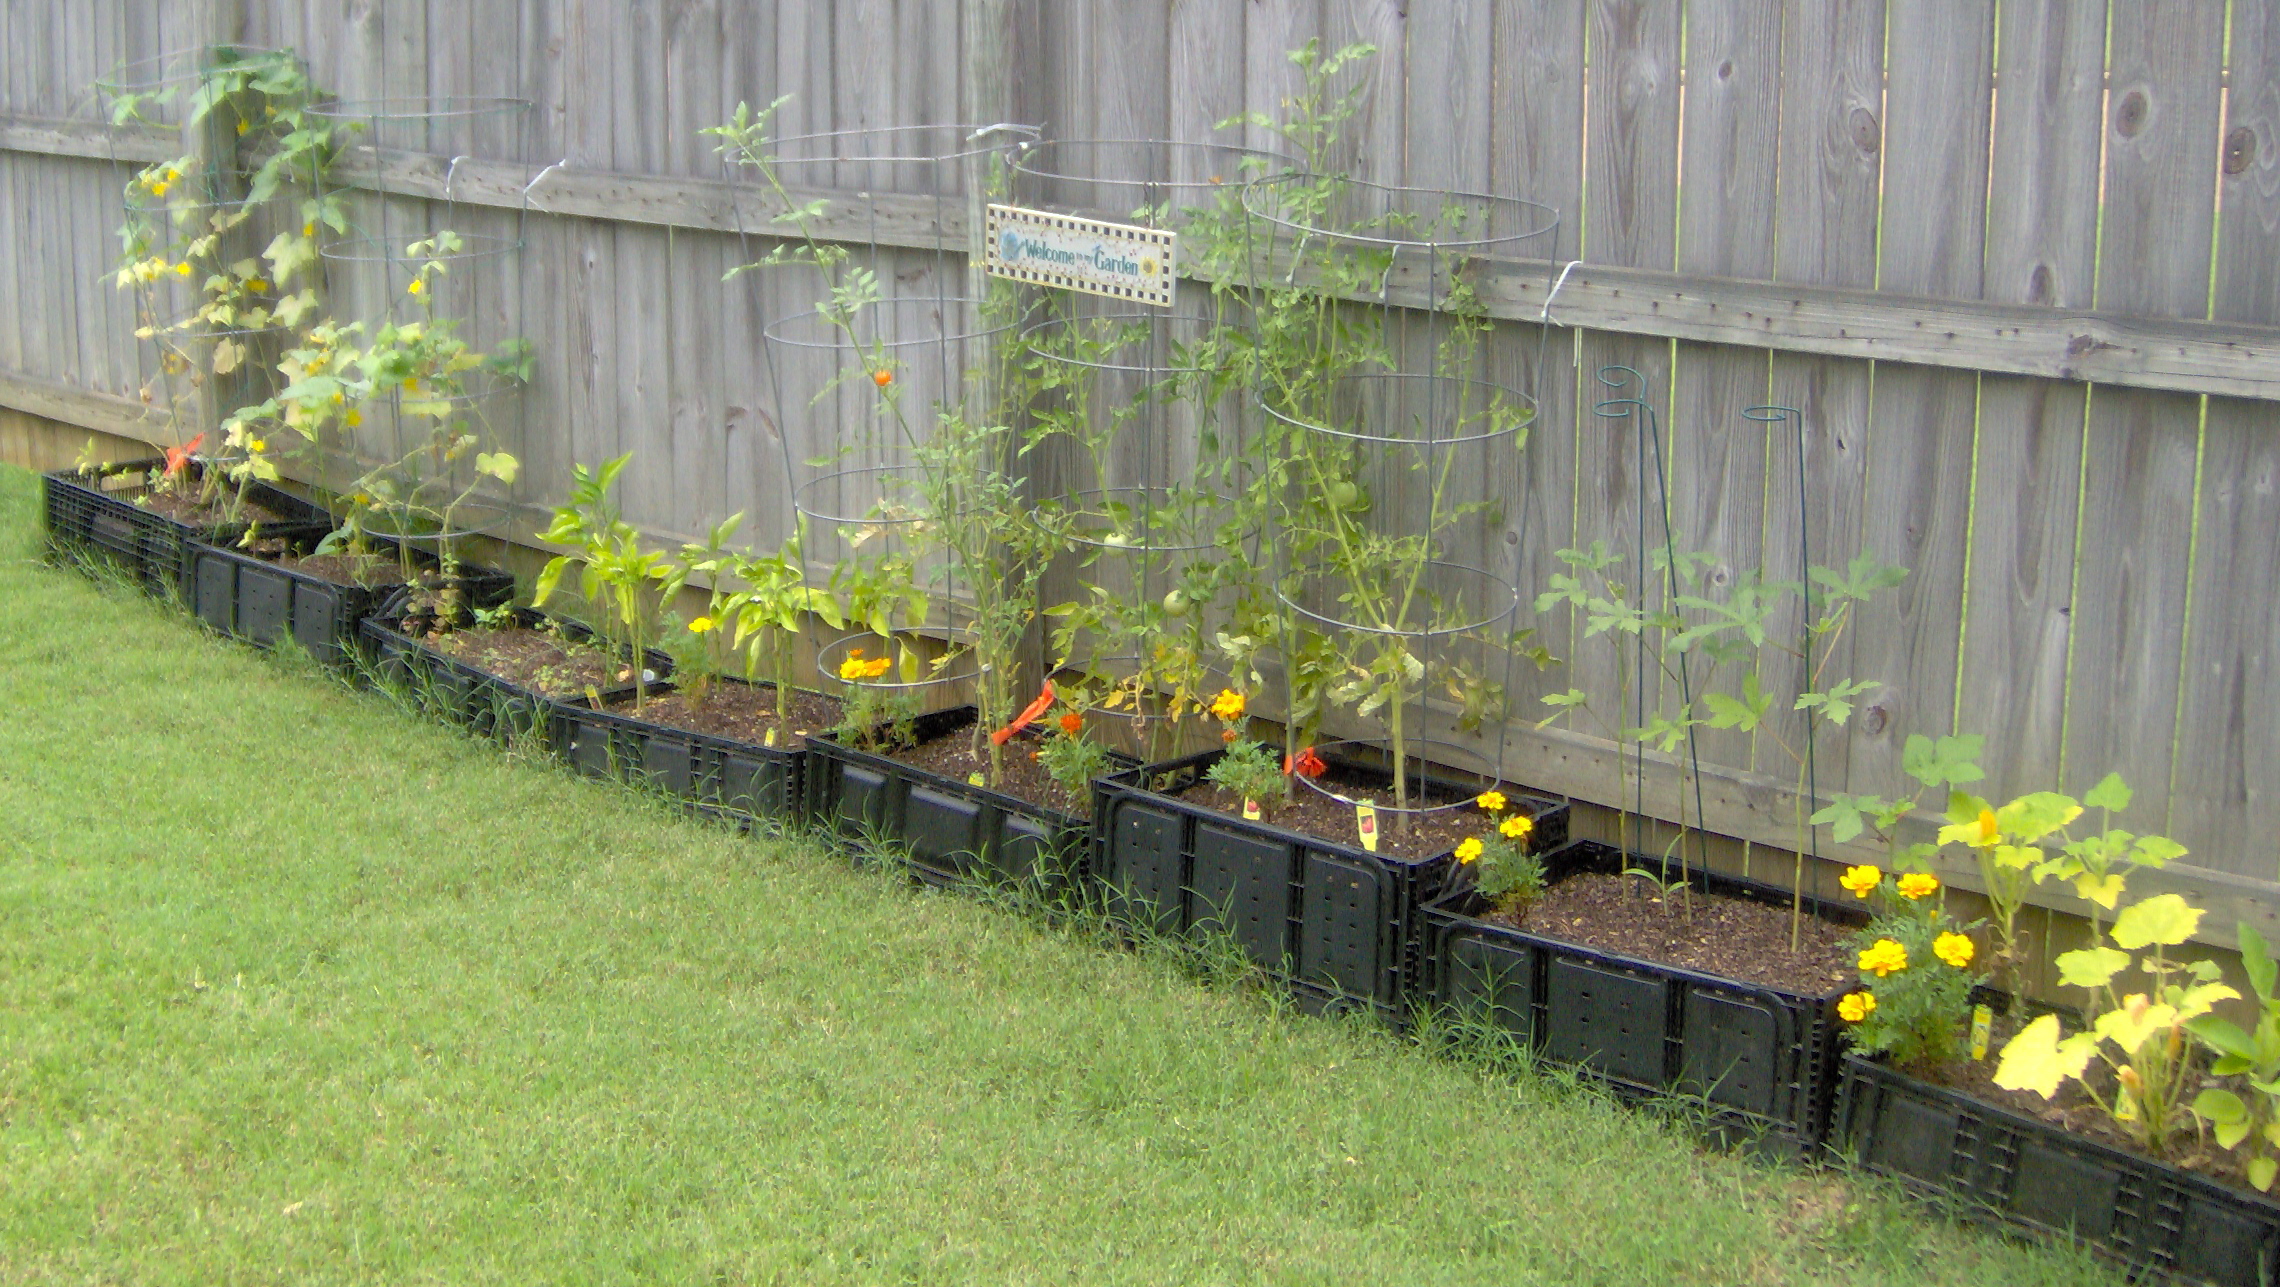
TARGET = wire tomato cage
x,y
1393,419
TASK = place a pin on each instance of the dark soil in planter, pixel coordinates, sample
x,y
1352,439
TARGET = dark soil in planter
x,y
343,569
1313,813
739,712
1733,938
1021,777
534,659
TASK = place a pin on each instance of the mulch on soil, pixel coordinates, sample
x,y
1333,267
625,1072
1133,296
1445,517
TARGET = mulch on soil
x,y
1734,938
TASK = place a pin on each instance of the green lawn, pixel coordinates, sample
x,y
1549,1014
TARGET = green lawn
x,y
297,988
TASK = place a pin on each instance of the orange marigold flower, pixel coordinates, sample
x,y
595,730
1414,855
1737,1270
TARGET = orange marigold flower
x,y
1072,723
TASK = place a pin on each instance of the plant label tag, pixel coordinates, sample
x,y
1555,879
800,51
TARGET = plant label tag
x,y
1365,823
769,739
974,778
1118,260
1982,1027
1250,809
121,482
593,697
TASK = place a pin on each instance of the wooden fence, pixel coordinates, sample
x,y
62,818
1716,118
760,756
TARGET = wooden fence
x,y
2017,264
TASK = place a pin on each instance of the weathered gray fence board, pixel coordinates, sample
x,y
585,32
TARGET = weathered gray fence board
x,y
2129,610
1825,233
1717,456
1939,74
2222,794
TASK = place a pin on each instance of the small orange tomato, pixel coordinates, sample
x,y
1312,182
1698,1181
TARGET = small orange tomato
x,y
882,377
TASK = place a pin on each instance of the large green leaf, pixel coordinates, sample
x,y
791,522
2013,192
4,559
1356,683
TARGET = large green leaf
x,y
2166,919
2090,967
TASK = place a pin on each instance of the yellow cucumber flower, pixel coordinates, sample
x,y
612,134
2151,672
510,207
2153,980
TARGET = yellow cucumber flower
x,y
1861,880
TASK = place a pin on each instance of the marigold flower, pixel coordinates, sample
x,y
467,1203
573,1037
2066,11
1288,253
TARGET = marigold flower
x,y
1072,723
857,668
1469,849
1919,884
1955,949
1517,826
1306,763
875,668
1861,880
1228,706
1227,735
1493,801
1883,957
1853,1007
700,625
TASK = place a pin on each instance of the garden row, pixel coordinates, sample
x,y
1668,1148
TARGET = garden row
x,y
1397,923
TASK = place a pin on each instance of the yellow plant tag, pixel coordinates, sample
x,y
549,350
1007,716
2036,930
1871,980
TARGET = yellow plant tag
x,y
1250,809
1365,822
593,697
769,739
1982,1027
974,778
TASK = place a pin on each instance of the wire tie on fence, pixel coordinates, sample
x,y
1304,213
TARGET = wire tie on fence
x,y
1546,316
978,135
451,176
542,175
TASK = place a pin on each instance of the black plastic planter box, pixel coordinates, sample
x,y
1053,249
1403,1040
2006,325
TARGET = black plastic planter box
x,y
152,550
951,829
740,778
485,703
256,600
1338,923
2014,1168
1768,1054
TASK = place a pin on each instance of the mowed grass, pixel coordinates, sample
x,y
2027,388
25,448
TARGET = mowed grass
x,y
297,988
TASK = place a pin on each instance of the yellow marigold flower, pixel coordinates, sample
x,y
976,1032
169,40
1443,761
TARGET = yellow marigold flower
x,y
1856,1006
874,669
1228,706
1469,849
1918,884
853,667
1861,880
1955,949
1884,956
700,625
1517,826
1493,801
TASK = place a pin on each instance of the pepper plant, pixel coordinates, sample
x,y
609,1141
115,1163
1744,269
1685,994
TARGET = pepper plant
x,y
626,583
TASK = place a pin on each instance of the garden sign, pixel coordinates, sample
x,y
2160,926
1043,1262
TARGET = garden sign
x,y
1113,259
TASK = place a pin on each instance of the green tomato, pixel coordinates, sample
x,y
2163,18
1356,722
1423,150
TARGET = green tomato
x,y
1176,604
1343,494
